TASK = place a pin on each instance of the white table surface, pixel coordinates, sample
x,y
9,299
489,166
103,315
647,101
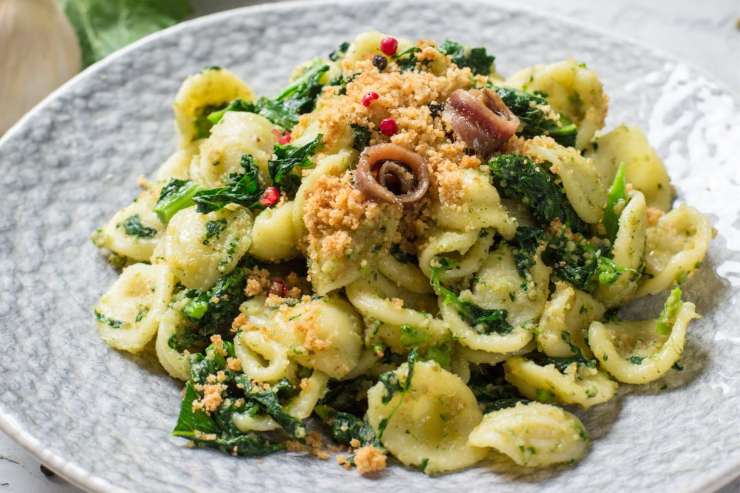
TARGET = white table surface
x,y
705,34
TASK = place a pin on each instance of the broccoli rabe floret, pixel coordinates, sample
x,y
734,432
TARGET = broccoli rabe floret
x,y
518,177
534,119
213,310
477,59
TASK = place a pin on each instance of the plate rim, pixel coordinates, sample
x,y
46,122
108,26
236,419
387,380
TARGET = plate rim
x,y
76,474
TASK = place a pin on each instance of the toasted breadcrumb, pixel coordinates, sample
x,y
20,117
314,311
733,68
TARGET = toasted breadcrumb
x,y
369,460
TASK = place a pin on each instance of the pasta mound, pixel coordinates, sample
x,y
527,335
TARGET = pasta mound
x,y
406,247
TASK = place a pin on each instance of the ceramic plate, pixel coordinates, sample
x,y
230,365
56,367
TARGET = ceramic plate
x,y
102,419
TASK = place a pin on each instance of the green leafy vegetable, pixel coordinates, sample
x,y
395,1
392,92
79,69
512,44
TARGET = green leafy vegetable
x,y
477,59
217,430
617,196
287,157
636,360
213,310
393,384
668,314
296,99
483,321
564,362
406,60
491,389
244,189
339,52
525,243
268,401
518,177
133,227
175,196
345,427
360,137
534,119
103,26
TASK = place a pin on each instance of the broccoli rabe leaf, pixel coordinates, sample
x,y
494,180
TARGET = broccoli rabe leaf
x,y
583,263
217,430
533,118
268,402
132,226
339,52
491,390
518,177
175,195
525,243
244,189
346,427
213,310
668,314
296,99
360,137
406,60
616,197
563,363
483,321
477,59
393,384
190,421
286,158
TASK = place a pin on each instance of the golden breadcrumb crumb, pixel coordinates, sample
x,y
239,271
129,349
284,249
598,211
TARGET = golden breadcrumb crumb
x,y
369,460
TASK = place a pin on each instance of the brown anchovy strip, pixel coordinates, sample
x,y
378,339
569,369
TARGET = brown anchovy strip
x,y
393,174
481,119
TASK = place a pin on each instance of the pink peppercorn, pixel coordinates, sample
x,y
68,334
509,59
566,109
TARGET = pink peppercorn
x,y
270,196
283,138
389,46
388,126
278,287
369,98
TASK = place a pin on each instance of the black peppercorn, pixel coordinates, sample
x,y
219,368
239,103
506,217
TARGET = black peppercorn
x,y
380,62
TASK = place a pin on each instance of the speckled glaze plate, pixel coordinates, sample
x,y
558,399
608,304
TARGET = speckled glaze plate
x,y
102,419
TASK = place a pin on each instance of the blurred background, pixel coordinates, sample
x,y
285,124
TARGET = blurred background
x,y
43,43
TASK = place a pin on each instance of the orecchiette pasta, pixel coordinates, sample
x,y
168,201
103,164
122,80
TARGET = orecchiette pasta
x,y
475,206
173,361
675,248
273,234
199,248
430,421
237,134
467,250
642,166
134,231
577,384
628,252
571,89
637,351
401,224
129,313
206,91
565,320
533,434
